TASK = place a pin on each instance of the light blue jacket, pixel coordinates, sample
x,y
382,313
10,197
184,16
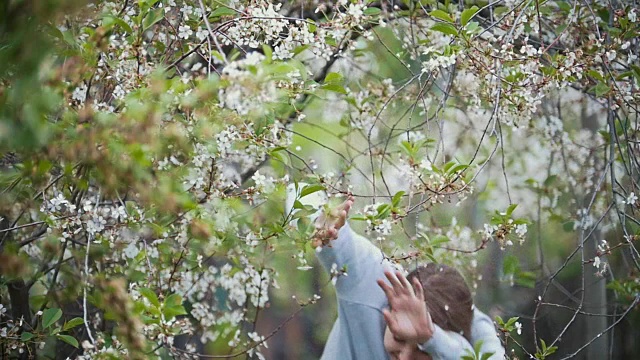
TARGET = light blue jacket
x,y
358,333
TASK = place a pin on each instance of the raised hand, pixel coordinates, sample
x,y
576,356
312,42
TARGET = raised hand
x,y
328,224
408,319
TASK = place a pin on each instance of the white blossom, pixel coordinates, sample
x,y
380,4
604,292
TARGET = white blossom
x,y
184,31
632,199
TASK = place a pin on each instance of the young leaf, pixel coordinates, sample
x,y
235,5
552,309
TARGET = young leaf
x,y
111,20
439,240
396,198
486,356
171,312
222,11
447,29
69,340
173,300
601,89
510,209
50,316
335,88
467,14
151,296
372,11
310,189
72,323
511,265
439,14
152,18
333,78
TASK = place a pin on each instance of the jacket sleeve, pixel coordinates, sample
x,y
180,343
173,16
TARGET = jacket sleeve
x,y
364,264
482,329
446,345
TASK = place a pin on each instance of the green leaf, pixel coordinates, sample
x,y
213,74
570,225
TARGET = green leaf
x,y
358,218
396,198
372,11
477,346
111,20
439,240
69,340
511,265
439,14
526,279
594,74
152,18
486,356
511,321
636,71
333,78
173,300
601,89
151,296
564,6
568,226
173,306
447,29
459,167
510,209
335,88
171,312
268,52
310,189
383,211
298,205
521,221
50,316
26,336
467,14
472,27
72,323
222,11
550,180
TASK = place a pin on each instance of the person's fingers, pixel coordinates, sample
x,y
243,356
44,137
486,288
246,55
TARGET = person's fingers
x,y
320,234
315,243
346,204
390,320
397,286
342,219
388,290
321,221
417,288
405,283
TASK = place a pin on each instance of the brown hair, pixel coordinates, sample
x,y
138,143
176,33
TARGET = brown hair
x,y
447,296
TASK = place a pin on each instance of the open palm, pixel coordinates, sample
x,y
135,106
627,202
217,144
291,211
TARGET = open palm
x,y
408,319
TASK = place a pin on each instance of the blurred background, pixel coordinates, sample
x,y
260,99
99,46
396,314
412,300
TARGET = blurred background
x,y
147,146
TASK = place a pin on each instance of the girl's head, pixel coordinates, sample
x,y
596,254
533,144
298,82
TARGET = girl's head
x,y
447,296
448,301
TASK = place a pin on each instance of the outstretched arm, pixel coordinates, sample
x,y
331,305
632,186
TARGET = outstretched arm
x,y
364,263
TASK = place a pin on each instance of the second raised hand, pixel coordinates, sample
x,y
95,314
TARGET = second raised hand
x,y
408,318
328,225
